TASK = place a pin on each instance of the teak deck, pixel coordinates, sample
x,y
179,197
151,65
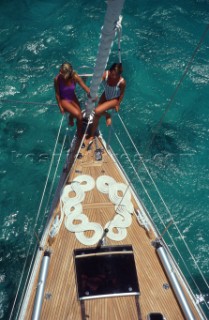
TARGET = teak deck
x,y
61,298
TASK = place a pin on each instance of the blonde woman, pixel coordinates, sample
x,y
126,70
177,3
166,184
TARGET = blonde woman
x,y
65,84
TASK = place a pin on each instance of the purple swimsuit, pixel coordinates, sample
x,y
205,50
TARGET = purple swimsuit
x,y
66,92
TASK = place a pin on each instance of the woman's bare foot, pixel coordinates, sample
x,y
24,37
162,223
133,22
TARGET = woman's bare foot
x,y
89,144
71,121
79,134
108,121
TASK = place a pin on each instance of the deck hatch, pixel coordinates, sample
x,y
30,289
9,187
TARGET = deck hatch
x,y
106,272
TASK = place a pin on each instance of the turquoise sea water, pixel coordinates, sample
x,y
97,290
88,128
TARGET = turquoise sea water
x,y
158,41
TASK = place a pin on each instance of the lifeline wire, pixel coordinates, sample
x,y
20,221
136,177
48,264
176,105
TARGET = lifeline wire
x,y
37,216
136,171
148,146
188,66
76,156
55,174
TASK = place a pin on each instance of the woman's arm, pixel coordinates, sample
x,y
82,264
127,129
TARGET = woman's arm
x,y
57,94
104,75
122,87
82,84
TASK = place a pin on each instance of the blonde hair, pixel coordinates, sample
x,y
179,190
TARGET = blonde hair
x,y
67,71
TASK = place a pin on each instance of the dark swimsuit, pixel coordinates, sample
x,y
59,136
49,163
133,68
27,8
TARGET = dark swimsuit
x,y
66,92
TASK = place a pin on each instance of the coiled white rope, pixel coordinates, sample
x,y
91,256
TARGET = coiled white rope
x,y
79,192
89,241
77,222
104,182
70,208
121,232
123,219
121,209
115,189
73,187
81,227
73,211
87,183
79,196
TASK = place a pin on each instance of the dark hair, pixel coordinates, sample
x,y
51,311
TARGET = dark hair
x,y
117,67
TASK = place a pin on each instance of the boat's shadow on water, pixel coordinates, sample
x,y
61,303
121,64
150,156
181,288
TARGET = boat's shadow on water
x,y
168,145
15,129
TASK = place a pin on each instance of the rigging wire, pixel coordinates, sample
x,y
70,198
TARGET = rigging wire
x,y
54,176
137,174
171,99
42,198
188,66
32,234
79,148
148,146
167,209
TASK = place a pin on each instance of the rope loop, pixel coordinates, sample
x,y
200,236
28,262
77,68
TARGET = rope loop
x,y
76,221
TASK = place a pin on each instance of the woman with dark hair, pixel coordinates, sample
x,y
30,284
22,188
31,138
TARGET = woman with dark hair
x,y
114,88
65,84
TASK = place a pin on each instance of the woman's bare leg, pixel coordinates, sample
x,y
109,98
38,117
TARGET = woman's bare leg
x,y
108,118
71,120
102,109
75,112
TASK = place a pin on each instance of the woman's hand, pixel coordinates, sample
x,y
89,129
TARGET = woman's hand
x,y
89,97
61,109
117,108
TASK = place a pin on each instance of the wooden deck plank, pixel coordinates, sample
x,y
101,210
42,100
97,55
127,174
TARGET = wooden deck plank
x,y
61,281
